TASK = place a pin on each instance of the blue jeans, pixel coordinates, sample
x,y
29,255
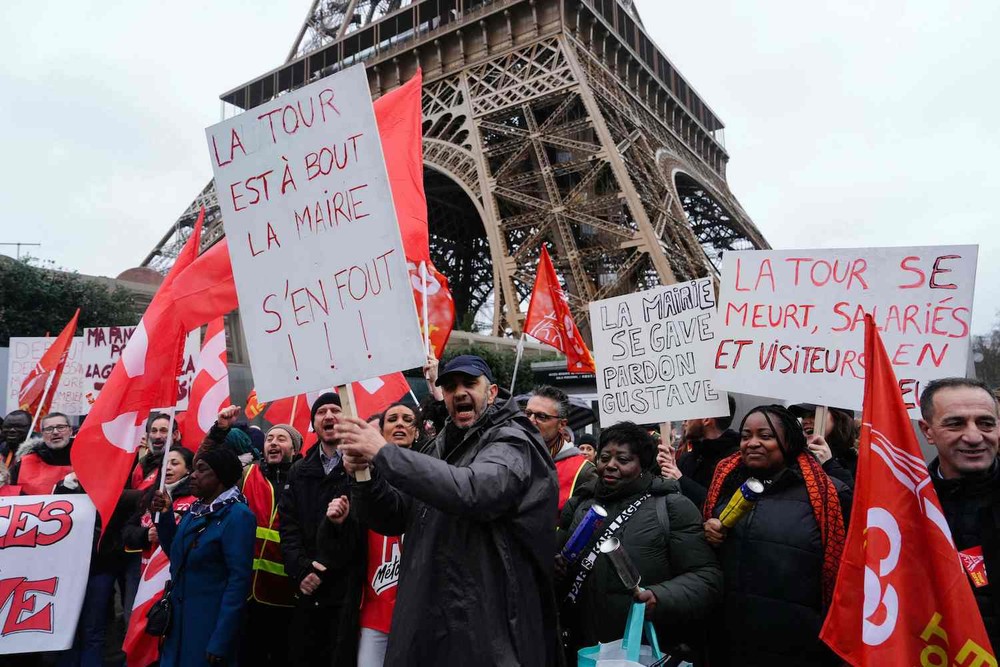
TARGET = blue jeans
x,y
88,647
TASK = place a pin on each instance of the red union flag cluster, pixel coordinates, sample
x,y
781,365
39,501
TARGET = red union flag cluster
x,y
902,597
197,290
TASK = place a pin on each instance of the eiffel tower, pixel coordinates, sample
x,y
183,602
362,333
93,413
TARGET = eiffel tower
x,y
544,120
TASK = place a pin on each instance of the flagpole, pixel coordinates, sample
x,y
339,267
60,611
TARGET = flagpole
x,y
423,299
517,362
295,405
41,404
166,450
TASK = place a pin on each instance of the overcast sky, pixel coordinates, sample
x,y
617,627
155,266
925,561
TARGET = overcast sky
x,y
848,123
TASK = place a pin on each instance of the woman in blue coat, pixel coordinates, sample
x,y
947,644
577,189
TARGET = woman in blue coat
x,y
211,553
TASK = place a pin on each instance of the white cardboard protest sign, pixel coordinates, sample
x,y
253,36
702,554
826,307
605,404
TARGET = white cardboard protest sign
x,y
102,348
322,282
25,353
45,544
654,352
791,322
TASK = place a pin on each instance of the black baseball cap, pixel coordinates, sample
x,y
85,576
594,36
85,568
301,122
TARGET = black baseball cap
x,y
469,364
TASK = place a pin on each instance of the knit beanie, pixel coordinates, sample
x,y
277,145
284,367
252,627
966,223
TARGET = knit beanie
x,y
223,463
239,442
293,433
324,399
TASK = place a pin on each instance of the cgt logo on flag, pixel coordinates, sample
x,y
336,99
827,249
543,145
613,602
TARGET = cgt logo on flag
x,y
975,565
901,597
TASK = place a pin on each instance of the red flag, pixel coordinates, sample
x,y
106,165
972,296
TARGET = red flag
x,y
254,407
398,115
141,649
207,290
47,372
375,395
280,412
550,321
143,379
440,305
210,389
902,597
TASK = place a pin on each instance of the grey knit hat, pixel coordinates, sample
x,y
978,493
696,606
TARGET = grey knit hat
x,y
293,433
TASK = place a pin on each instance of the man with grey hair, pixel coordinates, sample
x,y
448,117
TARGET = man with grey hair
x,y
960,419
43,464
548,410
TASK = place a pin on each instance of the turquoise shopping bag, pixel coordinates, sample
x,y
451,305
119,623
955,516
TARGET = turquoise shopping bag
x,y
629,648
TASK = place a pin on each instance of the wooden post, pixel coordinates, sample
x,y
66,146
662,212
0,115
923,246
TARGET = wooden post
x,y
349,408
666,434
819,420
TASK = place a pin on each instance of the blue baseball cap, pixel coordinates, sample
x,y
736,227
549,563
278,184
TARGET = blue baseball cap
x,y
469,364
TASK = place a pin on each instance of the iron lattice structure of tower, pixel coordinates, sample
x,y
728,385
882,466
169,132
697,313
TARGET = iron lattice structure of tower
x,y
544,120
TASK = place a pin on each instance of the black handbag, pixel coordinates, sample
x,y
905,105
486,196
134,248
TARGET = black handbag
x,y
161,614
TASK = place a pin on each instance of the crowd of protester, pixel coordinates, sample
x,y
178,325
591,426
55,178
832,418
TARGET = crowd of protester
x,y
281,553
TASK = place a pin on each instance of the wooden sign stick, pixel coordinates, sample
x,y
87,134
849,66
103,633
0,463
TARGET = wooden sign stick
x,y
349,408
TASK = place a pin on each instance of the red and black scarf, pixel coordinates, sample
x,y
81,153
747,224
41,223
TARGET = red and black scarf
x,y
825,505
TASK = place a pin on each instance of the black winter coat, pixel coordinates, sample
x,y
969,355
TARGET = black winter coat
x,y
772,563
972,508
697,466
475,582
301,512
678,566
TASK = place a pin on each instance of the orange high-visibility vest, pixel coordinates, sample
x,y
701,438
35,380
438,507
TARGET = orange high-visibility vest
x,y
37,478
568,470
270,583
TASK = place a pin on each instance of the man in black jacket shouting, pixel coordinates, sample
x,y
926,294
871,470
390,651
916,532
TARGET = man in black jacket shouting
x,y
324,621
475,584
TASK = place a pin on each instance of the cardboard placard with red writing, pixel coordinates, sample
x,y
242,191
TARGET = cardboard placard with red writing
x,y
791,322
25,352
654,352
317,256
45,544
102,348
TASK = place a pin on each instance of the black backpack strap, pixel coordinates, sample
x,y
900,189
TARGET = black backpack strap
x,y
663,513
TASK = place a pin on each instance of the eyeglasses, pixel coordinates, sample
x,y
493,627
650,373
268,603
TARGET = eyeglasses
x,y
540,416
57,427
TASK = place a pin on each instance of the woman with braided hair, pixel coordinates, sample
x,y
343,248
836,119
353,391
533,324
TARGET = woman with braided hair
x,y
779,561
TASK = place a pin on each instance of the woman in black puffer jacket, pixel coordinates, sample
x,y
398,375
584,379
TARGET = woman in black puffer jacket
x,y
664,538
780,560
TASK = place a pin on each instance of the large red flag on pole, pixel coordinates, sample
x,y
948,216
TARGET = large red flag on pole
x,y
40,385
550,321
142,649
145,378
210,389
902,597
438,319
398,116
